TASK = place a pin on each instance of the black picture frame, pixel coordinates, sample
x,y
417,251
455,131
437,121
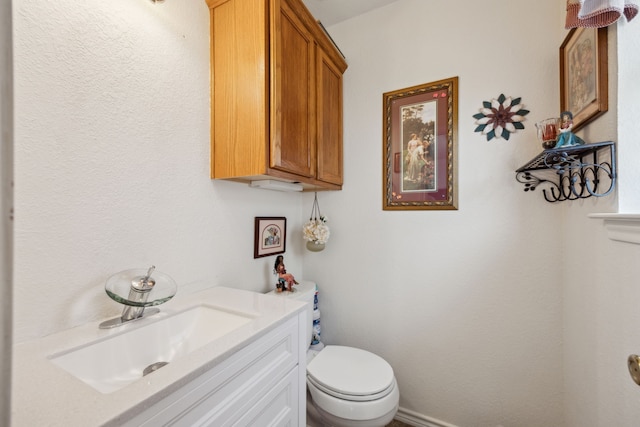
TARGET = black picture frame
x,y
270,236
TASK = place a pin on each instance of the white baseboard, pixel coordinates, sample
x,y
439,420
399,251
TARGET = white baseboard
x,y
418,420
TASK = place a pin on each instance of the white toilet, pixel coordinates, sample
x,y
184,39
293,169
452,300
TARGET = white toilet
x,y
347,387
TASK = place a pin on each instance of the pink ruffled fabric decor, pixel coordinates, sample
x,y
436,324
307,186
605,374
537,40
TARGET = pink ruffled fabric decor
x,y
598,13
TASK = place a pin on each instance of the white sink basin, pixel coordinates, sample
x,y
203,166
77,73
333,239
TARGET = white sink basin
x,y
116,361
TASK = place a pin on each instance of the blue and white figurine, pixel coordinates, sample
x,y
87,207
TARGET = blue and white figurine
x,y
566,138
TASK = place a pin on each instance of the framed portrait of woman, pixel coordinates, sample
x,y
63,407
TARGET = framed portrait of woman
x,y
419,147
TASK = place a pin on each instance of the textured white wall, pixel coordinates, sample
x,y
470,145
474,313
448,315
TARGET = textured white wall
x,y
112,161
601,289
6,204
112,118
465,305
628,113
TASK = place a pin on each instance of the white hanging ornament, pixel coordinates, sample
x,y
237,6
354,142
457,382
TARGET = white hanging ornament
x,y
316,231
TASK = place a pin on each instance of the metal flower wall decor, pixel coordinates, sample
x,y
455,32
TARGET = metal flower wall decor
x,y
500,117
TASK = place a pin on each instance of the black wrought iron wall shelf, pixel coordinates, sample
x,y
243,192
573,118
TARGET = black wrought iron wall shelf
x,y
571,173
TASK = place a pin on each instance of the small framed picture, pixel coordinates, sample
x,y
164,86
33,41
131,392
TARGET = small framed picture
x,y
270,236
583,75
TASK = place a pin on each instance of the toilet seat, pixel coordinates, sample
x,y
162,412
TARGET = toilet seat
x,y
350,397
351,374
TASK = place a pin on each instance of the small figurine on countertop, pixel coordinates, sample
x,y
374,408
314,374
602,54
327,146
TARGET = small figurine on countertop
x,y
566,138
285,280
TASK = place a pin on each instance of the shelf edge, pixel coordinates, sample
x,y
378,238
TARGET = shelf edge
x,y
621,227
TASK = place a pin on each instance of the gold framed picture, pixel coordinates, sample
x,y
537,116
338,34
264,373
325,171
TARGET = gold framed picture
x,y
419,147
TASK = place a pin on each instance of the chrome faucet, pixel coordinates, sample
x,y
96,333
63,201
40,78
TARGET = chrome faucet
x,y
133,289
139,293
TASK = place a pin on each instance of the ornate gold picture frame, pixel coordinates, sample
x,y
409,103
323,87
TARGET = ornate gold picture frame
x,y
419,149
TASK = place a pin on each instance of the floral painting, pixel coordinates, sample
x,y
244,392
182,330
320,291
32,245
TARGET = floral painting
x,y
584,75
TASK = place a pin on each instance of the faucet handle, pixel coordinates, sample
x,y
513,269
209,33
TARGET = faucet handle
x,y
144,283
149,272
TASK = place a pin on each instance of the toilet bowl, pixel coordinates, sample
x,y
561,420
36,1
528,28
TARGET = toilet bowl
x,y
347,386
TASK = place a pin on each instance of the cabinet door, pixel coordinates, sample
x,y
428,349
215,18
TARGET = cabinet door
x,y
266,368
329,123
278,407
240,88
293,93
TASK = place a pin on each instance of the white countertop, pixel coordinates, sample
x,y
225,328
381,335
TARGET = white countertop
x,y
45,394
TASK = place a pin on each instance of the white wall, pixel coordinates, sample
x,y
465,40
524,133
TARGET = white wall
x,y
472,307
465,305
6,203
628,50
112,161
601,290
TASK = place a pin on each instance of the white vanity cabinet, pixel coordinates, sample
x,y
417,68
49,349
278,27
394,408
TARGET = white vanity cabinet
x,y
262,384
251,375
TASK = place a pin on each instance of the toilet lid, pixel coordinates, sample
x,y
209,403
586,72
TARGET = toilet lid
x,y
348,371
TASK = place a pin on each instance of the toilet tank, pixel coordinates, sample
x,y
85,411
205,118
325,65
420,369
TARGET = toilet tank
x,y
304,291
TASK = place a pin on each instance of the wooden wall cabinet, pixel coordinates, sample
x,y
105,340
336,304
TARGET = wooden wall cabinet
x,y
276,95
